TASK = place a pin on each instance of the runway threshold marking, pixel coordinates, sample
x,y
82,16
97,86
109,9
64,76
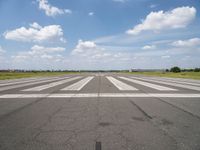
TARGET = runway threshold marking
x,y
49,85
171,84
23,81
28,84
101,95
121,85
78,85
150,85
175,81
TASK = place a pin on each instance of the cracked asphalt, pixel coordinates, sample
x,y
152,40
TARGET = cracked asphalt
x,y
116,123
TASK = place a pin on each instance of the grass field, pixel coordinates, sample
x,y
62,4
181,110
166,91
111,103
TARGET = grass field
x,y
16,75
188,75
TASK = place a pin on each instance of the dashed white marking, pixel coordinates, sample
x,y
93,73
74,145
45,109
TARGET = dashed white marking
x,y
78,85
121,85
95,95
46,86
150,85
172,84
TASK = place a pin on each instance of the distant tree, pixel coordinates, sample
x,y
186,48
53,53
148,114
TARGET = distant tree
x,y
175,69
197,70
167,70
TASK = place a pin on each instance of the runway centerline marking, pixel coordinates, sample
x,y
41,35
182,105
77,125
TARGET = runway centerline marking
x,y
78,85
121,85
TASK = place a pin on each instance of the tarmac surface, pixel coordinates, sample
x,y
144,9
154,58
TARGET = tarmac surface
x,y
100,111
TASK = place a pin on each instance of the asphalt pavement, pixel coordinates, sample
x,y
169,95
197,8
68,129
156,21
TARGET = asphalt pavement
x,y
100,111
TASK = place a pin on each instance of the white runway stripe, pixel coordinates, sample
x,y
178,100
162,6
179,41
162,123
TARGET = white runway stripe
x,y
175,81
182,80
28,84
96,95
121,85
46,86
171,84
27,80
150,85
78,85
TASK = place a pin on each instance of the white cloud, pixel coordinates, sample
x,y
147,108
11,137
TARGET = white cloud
x,y
40,52
153,6
52,10
36,33
42,49
88,49
35,25
2,50
156,21
39,57
91,14
187,43
89,55
149,47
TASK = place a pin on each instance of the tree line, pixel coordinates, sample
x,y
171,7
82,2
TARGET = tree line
x,y
177,69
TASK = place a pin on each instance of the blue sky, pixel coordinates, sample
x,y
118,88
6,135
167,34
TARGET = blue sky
x,y
99,34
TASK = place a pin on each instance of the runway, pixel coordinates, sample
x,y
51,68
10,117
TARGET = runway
x,y
93,111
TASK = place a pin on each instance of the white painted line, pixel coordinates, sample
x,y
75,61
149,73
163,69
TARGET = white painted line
x,y
27,80
171,84
27,84
78,85
95,95
83,95
17,81
182,79
150,85
46,86
175,81
121,85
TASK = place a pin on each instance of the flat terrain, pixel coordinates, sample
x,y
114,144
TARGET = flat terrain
x,y
187,75
100,111
17,75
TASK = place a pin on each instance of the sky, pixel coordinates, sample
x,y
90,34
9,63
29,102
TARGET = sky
x,y
99,34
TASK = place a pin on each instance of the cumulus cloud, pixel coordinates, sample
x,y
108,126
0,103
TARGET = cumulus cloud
x,y
187,43
36,33
156,21
89,49
43,49
148,47
89,55
35,25
39,52
39,57
52,10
